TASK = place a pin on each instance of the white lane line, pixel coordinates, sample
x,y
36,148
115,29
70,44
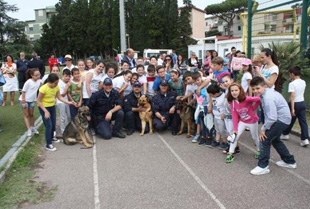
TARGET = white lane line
x,y
286,169
218,202
96,182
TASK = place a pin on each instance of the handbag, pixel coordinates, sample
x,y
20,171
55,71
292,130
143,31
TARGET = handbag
x,y
2,80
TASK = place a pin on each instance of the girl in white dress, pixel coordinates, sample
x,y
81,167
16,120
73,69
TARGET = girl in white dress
x,y
8,69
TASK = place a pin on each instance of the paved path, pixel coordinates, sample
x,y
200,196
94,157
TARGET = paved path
x,y
165,171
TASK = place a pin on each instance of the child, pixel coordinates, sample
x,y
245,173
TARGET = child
x,y
218,69
247,76
243,114
55,70
161,75
122,84
201,111
89,64
257,64
142,78
75,92
217,107
297,105
277,119
64,110
236,64
93,78
176,83
134,78
46,102
150,78
28,98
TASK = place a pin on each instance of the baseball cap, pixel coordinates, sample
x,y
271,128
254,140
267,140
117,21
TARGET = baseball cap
x,y
136,84
163,83
68,56
107,81
246,62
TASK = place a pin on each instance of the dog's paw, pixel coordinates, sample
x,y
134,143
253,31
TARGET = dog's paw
x,y
151,132
141,134
180,133
188,136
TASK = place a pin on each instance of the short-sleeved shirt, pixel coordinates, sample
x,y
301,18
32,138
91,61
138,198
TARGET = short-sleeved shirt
x,y
49,97
62,86
298,86
31,88
119,82
178,88
75,91
267,72
244,81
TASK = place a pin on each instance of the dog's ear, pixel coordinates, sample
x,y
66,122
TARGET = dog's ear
x,y
147,99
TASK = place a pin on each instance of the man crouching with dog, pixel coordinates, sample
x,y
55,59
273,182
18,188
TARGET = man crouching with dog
x,y
132,108
105,106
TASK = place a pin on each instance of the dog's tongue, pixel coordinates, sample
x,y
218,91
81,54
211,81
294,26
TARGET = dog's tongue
x,y
178,111
88,118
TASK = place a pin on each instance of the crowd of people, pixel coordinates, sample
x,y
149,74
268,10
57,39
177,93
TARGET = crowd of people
x,y
221,107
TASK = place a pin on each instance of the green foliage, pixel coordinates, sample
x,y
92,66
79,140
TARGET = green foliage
x,y
227,10
213,33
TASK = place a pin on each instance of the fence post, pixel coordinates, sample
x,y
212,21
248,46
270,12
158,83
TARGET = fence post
x,y
304,25
249,37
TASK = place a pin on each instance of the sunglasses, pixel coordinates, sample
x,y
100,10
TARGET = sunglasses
x,y
168,59
68,60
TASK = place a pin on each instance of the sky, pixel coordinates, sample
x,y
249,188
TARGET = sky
x,y
26,7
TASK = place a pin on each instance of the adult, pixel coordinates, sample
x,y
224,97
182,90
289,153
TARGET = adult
x,y
180,65
69,65
21,65
207,61
129,58
122,84
35,62
214,54
93,78
89,64
139,61
174,56
163,105
176,83
160,60
105,106
52,61
168,62
153,61
131,109
8,70
193,62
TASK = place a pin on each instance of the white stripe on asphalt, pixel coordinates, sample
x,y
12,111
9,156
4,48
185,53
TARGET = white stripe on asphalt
x,y
291,171
96,182
193,174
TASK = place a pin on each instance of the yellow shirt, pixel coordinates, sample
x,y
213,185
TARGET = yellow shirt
x,y
49,97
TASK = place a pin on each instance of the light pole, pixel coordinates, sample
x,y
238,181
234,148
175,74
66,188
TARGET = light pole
x,y
122,26
128,40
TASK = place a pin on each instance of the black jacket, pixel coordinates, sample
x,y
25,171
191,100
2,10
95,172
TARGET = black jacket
x,y
35,63
190,62
162,103
130,101
127,60
99,104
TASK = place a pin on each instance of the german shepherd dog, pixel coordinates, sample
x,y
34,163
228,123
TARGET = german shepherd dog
x,y
144,103
186,116
78,128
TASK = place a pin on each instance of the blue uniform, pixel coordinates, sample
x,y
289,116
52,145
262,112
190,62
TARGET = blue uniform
x,y
162,103
22,67
100,104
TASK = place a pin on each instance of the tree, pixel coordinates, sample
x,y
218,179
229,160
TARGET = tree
x,y
227,11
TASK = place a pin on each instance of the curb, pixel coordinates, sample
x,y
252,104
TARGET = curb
x,y
17,147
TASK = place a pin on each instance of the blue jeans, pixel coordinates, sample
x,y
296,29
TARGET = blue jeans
x,y
103,128
73,111
300,113
49,124
235,74
273,138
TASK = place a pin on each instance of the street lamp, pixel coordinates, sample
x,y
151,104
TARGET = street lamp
x,y
127,36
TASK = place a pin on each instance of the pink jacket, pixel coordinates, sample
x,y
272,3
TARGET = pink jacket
x,y
244,111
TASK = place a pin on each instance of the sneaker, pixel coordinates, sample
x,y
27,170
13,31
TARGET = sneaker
x,y
304,143
257,154
55,140
215,144
260,171
237,150
196,138
284,137
283,164
229,158
223,146
29,132
119,135
50,147
208,142
34,130
202,142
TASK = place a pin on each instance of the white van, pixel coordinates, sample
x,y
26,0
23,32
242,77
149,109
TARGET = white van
x,y
155,52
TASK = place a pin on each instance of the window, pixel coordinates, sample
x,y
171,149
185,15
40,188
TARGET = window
x,y
273,28
40,13
30,28
239,27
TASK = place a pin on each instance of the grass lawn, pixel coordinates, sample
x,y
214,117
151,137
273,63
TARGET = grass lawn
x,y
12,122
20,188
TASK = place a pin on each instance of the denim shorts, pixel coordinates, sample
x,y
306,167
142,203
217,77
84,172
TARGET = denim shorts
x,y
29,105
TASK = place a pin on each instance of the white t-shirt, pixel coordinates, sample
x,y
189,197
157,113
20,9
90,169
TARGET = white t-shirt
x,y
160,61
298,86
62,86
244,81
96,79
119,82
85,95
218,106
267,72
191,88
31,89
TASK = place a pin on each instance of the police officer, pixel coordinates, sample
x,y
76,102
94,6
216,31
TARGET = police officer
x,y
163,105
132,110
105,106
